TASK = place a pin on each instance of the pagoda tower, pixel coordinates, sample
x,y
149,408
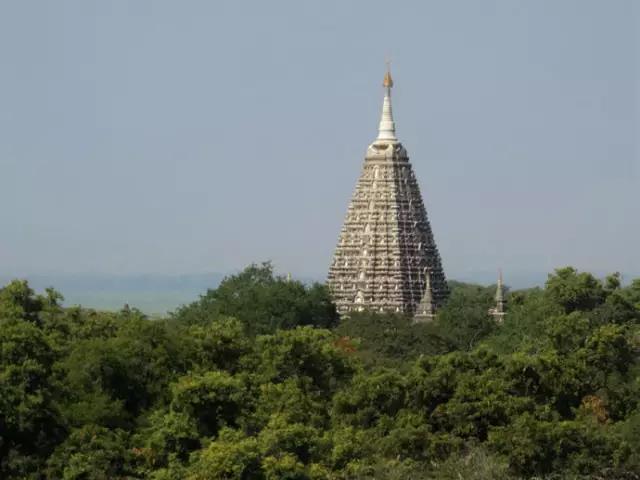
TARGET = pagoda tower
x,y
499,311
386,259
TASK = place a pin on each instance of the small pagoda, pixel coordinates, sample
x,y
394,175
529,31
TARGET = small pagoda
x,y
500,310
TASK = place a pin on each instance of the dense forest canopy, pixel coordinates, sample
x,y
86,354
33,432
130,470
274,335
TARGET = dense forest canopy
x,y
260,379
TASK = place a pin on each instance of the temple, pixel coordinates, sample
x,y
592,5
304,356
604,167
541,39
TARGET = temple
x,y
499,311
386,259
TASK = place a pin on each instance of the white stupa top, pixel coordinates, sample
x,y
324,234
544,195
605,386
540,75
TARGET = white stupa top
x,y
387,128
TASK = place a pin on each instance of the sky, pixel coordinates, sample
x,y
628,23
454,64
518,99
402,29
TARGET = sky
x,y
194,136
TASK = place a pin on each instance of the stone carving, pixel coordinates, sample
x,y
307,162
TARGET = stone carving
x,y
386,251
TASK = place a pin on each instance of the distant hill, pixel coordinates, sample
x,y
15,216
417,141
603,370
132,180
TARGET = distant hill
x,y
152,293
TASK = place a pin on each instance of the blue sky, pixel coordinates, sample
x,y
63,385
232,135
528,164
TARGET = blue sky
x,y
196,136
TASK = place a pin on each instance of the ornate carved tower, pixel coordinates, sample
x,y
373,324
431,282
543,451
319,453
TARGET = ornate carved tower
x,y
500,310
386,259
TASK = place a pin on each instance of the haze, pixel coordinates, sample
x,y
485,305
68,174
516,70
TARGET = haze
x,y
183,137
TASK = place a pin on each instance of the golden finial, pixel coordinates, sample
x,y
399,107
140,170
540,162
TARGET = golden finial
x,y
388,81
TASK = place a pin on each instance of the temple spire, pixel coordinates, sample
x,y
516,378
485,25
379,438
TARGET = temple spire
x,y
500,288
425,311
499,311
387,128
386,259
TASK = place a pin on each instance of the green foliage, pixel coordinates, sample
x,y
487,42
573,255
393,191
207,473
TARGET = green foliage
x,y
243,384
110,381
295,439
216,345
29,423
463,321
18,301
575,291
291,399
475,463
533,446
389,340
91,453
394,339
263,302
370,397
166,439
232,456
526,326
212,399
306,354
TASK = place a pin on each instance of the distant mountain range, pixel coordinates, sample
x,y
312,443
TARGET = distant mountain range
x,y
158,294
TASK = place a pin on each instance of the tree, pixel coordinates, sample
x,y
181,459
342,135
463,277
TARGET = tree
x,y
574,291
213,400
263,302
29,424
474,463
18,301
166,442
542,447
526,326
111,381
463,321
281,437
232,456
92,453
370,397
381,339
554,390
220,344
308,355
291,400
